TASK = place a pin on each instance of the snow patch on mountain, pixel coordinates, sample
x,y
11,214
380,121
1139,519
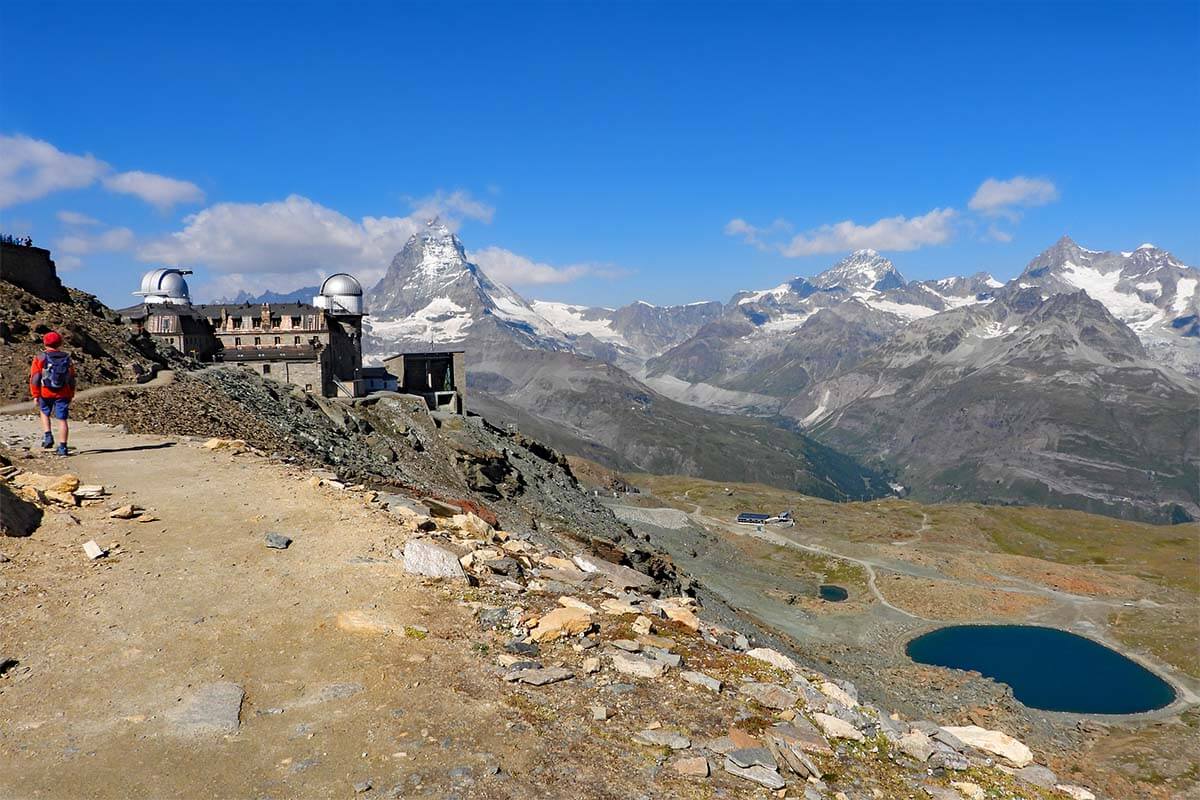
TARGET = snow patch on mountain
x,y
441,320
580,320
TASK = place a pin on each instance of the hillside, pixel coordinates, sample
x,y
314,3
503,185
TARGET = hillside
x,y
104,350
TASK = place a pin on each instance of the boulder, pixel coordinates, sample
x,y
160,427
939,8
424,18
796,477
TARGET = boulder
x,y
769,695
565,621
837,694
1037,775
773,657
1074,792
700,679
638,666
917,745
682,615
835,728
423,557
995,742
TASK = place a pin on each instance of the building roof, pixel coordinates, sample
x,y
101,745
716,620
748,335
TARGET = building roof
x,y
424,353
251,353
255,309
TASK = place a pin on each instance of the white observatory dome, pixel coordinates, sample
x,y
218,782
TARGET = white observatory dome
x,y
165,286
340,294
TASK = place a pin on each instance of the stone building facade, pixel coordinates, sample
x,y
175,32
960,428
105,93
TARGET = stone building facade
x,y
316,346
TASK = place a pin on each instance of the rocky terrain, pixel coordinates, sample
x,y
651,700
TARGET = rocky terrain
x,y
104,351
342,640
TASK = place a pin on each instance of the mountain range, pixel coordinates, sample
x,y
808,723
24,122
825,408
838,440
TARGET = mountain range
x,y
1075,384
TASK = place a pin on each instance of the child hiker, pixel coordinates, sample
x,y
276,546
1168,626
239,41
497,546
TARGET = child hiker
x,y
52,384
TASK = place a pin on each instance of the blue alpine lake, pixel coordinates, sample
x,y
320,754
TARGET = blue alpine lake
x,y
832,592
1047,668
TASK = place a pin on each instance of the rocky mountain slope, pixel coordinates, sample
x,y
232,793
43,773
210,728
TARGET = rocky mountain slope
x,y
1020,400
523,365
1077,375
103,349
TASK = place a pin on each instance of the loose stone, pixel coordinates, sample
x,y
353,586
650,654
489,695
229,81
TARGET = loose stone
x,y
700,679
669,739
278,541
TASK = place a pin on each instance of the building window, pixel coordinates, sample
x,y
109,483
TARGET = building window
x,y
236,322
296,339
277,340
257,340
308,387
266,369
295,322
237,341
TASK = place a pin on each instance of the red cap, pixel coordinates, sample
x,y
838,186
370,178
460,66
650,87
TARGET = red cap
x,y
52,339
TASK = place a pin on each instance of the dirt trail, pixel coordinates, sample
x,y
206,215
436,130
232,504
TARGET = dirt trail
x,y
109,650
161,379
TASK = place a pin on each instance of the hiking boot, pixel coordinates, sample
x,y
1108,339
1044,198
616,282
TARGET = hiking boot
x,y
62,450
47,440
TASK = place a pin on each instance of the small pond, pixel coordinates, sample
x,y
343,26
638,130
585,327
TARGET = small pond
x,y
1047,668
832,593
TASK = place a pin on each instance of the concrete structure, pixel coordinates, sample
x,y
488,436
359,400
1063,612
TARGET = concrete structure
x,y
440,378
317,346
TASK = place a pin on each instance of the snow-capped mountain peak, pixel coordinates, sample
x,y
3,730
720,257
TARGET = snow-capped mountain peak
x,y
862,270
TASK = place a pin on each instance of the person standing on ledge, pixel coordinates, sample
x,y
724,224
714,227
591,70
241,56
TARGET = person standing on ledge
x,y
52,384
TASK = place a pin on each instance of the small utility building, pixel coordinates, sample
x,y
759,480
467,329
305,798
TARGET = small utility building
x,y
440,378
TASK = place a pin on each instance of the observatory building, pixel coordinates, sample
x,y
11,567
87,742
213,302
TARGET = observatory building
x,y
316,346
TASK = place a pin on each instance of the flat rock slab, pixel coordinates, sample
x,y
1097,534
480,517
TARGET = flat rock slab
x,y
696,767
630,664
774,658
540,677
994,742
770,695
760,775
752,756
214,708
801,733
423,557
700,679
836,728
669,739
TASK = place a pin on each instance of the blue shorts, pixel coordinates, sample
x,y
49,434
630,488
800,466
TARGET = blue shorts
x,y
54,408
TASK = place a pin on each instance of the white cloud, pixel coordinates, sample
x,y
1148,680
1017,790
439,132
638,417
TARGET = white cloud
x,y
75,218
453,205
31,169
996,197
158,190
298,238
67,263
111,240
510,268
996,234
891,233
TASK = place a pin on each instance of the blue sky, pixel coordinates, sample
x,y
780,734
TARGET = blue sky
x,y
595,153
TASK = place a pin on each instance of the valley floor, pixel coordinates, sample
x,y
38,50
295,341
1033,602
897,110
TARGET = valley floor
x,y
911,568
